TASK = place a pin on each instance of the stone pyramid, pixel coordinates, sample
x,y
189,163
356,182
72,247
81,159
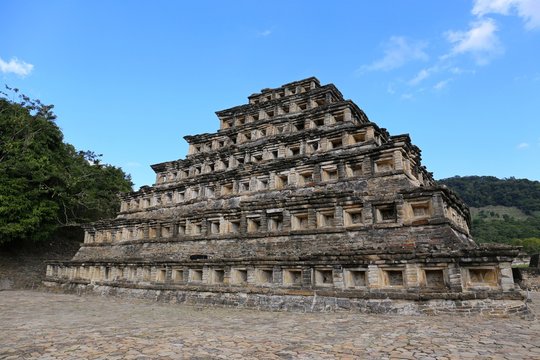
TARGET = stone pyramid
x,y
297,202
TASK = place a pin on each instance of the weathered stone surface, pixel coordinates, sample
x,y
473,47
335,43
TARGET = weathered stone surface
x,y
39,325
298,202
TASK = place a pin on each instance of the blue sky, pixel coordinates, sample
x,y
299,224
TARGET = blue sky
x,y
130,79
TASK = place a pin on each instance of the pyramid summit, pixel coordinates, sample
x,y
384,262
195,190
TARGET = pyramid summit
x,y
297,202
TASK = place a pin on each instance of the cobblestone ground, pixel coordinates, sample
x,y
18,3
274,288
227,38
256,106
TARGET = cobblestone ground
x,y
36,325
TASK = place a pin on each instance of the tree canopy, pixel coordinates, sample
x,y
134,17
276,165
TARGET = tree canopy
x,y
44,182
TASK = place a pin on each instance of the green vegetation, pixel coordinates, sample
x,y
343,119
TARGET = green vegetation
x,y
503,210
478,191
496,212
530,245
46,183
506,230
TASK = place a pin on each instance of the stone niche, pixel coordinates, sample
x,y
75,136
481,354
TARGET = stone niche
x,y
385,213
239,276
434,278
264,276
195,275
352,216
356,278
299,220
481,277
292,277
323,277
393,277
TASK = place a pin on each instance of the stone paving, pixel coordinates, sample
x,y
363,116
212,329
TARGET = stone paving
x,y
37,325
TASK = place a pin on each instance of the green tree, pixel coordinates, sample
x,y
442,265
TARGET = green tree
x,y
530,245
44,182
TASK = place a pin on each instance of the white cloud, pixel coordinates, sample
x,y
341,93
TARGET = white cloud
x,y
397,52
441,84
422,75
15,66
265,33
407,96
523,145
480,41
528,10
459,71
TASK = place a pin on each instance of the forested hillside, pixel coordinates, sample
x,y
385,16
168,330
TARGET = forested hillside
x,y
479,191
496,204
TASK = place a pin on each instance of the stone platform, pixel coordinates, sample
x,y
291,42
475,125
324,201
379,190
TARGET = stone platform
x,y
298,300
